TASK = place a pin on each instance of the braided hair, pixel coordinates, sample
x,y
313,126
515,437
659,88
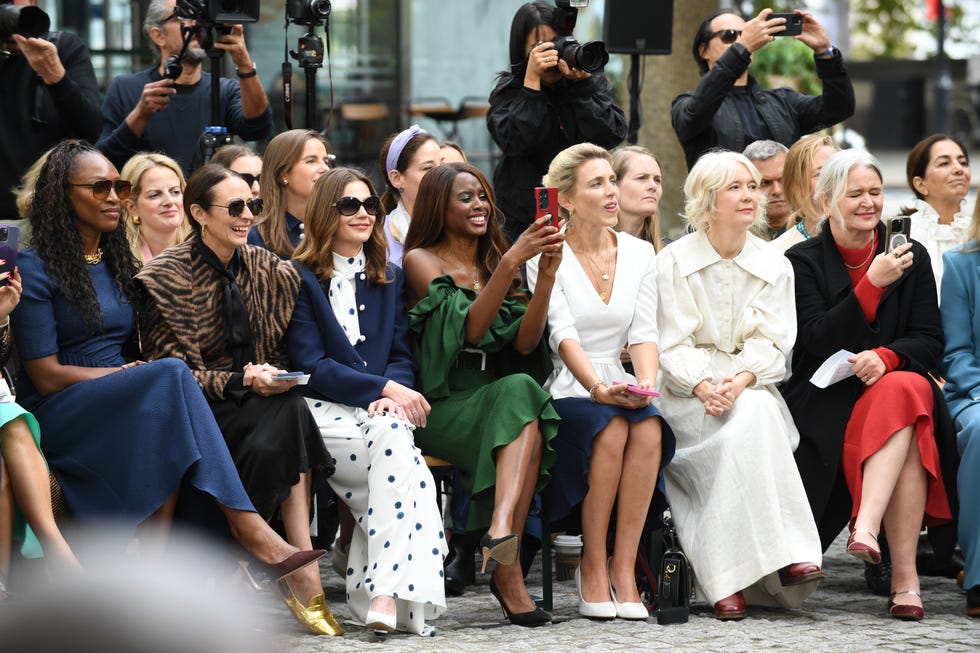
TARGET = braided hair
x,y
58,242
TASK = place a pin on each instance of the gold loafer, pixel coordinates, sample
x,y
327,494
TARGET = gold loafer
x,y
315,616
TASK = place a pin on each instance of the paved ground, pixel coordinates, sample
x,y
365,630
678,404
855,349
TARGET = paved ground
x,y
840,616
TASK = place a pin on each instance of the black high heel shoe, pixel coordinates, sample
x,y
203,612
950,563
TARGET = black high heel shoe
x,y
292,564
503,549
532,619
460,565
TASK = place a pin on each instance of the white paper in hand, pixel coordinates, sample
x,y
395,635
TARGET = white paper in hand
x,y
834,369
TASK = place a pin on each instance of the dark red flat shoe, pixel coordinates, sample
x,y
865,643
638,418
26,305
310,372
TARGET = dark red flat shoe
x,y
799,573
863,551
906,611
731,607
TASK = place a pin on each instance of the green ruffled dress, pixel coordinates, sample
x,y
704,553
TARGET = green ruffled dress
x,y
480,401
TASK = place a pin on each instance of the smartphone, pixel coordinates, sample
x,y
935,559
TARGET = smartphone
x,y
9,236
289,375
794,24
545,202
637,390
898,231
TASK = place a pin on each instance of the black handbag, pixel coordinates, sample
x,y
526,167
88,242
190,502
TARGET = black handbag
x,y
675,586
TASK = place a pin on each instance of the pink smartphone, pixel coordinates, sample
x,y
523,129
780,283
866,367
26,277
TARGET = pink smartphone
x,y
637,390
546,202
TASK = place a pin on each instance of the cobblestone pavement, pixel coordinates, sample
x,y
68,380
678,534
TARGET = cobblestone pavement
x,y
842,615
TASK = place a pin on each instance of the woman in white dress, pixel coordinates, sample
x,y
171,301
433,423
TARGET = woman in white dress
x,y
610,439
350,332
726,318
938,172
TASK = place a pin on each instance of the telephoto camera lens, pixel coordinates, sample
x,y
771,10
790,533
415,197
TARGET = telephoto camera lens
x,y
590,57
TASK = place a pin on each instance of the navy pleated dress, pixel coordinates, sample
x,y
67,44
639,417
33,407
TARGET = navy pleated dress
x,y
119,445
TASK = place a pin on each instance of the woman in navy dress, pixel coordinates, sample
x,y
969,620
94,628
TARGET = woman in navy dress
x,y
121,436
350,331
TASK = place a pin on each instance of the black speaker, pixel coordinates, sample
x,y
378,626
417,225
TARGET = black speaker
x,y
644,27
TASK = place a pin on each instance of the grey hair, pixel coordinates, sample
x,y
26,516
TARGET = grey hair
x,y
763,150
157,14
832,183
712,172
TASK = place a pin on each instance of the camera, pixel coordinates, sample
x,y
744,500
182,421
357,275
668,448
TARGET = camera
x,y
26,20
590,57
307,12
209,13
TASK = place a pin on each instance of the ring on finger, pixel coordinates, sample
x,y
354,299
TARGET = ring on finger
x,y
896,254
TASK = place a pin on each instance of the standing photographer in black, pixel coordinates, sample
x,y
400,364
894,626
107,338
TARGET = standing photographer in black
x,y
49,93
729,109
540,107
148,111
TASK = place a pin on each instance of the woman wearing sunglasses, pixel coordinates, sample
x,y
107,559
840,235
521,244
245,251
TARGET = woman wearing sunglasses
x,y
350,332
222,307
154,211
729,109
244,161
293,161
121,436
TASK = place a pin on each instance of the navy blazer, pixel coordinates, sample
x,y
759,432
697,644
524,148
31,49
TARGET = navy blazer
x,y
344,373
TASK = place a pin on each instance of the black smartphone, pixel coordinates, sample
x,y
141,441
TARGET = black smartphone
x,y
546,202
9,236
794,24
898,231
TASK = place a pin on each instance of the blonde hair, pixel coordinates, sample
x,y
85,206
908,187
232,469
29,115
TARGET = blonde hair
x,y
622,157
563,169
797,173
134,169
712,172
24,194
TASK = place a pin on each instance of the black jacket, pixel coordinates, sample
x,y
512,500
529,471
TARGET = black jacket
x,y
829,318
708,118
531,127
35,116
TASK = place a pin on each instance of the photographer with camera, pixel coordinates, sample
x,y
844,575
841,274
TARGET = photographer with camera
x,y
166,108
545,104
729,109
49,93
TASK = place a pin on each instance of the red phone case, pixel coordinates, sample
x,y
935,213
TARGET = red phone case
x,y
545,202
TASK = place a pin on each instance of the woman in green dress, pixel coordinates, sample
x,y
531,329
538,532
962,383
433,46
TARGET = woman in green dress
x,y
477,335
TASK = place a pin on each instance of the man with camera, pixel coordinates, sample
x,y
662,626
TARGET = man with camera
x,y
728,109
167,108
554,96
49,93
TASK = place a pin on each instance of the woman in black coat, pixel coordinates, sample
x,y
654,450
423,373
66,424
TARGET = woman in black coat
x,y
882,306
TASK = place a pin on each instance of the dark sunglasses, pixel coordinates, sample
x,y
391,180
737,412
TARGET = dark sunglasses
x,y
349,206
237,207
728,36
100,189
248,177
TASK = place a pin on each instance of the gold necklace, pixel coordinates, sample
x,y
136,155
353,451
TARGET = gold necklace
x,y
874,240
94,259
476,270
596,275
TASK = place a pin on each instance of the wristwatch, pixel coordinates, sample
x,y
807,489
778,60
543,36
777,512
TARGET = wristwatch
x,y
251,73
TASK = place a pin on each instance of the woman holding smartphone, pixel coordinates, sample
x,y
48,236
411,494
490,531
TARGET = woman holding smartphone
x,y
611,437
877,450
479,342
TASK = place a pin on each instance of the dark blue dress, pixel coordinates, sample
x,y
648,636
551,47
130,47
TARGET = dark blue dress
x,y
119,445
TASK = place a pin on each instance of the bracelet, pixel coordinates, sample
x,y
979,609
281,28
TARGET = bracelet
x,y
251,73
594,388
829,51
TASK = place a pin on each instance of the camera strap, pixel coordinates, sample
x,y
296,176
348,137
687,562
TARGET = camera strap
x,y
287,80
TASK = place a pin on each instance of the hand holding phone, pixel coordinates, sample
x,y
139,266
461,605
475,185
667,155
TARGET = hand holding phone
x,y
546,203
898,231
9,237
794,24
637,390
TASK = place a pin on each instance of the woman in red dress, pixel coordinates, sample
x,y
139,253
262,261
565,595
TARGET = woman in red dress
x,y
876,447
